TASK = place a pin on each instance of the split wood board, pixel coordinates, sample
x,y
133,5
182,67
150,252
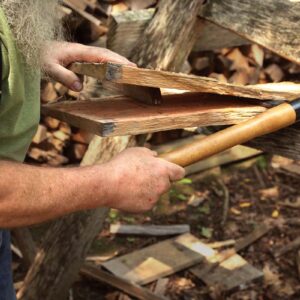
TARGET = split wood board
x,y
126,28
170,256
274,24
121,115
159,260
124,74
230,274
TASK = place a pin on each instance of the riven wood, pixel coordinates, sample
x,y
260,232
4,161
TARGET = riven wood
x,y
270,121
163,79
125,28
274,24
161,45
121,115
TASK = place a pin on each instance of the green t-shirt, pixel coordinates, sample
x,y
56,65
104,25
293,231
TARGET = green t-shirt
x,y
19,104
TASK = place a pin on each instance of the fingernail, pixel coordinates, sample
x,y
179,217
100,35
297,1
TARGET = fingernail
x,y
77,86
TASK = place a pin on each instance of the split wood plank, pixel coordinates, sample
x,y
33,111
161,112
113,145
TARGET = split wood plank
x,y
159,260
115,116
119,283
124,74
126,28
152,230
274,24
231,273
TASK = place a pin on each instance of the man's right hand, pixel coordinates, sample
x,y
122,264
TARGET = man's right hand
x,y
138,179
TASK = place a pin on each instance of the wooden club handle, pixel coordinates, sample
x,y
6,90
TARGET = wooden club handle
x,y
269,121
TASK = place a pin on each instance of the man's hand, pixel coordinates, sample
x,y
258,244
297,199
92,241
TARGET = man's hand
x,y
58,55
139,178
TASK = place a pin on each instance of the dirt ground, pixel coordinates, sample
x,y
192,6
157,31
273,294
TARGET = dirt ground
x,y
258,192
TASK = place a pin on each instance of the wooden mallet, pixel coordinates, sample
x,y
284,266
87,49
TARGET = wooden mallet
x,y
269,121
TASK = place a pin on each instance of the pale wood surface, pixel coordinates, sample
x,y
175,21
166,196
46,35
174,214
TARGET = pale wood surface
x,y
121,115
231,273
159,260
125,28
152,230
163,79
274,24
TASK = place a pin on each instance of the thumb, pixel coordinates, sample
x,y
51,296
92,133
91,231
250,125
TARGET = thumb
x,y
65,77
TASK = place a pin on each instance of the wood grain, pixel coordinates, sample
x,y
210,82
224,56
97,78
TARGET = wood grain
x,y
121,115
163,79
274,24
159,260
125,28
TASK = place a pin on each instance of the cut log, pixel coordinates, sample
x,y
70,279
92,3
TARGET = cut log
x,y
274,24
125,29
162,79
121,116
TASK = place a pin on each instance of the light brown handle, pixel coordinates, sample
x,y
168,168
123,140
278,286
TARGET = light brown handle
x,y
272,120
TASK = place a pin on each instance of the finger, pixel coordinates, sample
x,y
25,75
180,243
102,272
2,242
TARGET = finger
x,y
175,172
97,55
65,77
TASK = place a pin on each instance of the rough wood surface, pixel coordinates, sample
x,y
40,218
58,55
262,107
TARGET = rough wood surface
x,y
163,79
152,230
121,116
159,260
125,28
119,283
67,241
274,24
229,274
160,46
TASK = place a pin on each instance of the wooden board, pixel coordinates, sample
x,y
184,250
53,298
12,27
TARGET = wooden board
x,y
125,28
159,260
274,24
114,116
163,79
231,273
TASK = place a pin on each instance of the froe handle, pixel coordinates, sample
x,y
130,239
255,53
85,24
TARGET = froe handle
x,y
269,121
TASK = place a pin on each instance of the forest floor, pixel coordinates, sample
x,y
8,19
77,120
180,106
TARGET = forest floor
x,y
258,192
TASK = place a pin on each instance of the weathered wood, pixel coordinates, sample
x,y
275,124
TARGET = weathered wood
x,y
163,79
152,230
274,24
26,245
159,260
58,265
125,28
293,245
119,283
229,274
121,116
67,241
160,46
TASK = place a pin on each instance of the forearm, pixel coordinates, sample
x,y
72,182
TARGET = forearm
x,y
30,195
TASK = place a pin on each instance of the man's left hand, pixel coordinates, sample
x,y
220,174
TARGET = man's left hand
x,y
59,55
